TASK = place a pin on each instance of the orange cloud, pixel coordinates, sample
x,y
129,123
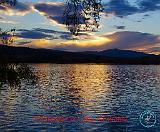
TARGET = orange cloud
x,y
96,41
91,42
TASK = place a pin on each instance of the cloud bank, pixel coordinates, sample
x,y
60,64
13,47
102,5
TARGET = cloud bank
x,y
84,42
123,8
19,9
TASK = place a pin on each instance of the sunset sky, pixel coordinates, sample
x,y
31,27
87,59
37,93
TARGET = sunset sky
x,y
132,24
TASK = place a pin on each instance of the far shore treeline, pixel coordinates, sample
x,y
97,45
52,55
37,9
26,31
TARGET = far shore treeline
x,y
9,54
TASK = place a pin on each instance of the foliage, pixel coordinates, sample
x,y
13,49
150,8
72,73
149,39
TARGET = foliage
x,y
14,74
8,2
82,15
7,37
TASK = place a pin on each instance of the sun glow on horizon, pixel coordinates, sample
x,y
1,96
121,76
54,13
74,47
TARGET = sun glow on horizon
x,y
94,41
97,41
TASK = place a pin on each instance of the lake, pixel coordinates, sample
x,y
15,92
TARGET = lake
x,y
72,98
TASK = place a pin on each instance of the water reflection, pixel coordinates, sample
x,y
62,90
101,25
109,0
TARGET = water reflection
x,y
79,91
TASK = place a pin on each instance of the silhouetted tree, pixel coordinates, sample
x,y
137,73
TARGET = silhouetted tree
x,y
8,2
7,37
13,74
82,15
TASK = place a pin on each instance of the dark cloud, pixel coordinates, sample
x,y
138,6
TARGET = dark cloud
x,y
127,40
57,34
3,8
32,34
146,15
139,21
20,8
50,31
154,49
40,33
120,40
149,5
53,11
23,42
122,8
120,27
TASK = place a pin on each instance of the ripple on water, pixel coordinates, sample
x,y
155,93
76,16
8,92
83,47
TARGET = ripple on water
x,y
81,90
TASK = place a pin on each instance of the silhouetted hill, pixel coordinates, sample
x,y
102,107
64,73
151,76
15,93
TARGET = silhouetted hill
x,y
113,56
120,53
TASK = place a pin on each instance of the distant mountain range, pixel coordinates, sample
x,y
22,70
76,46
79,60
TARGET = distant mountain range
x,y
111,56
120,53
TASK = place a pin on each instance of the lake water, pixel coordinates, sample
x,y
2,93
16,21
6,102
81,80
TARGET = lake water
x,y
78,91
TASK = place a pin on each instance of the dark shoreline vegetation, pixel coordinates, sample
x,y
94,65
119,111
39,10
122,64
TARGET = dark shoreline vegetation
x,y
13,74
10,54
